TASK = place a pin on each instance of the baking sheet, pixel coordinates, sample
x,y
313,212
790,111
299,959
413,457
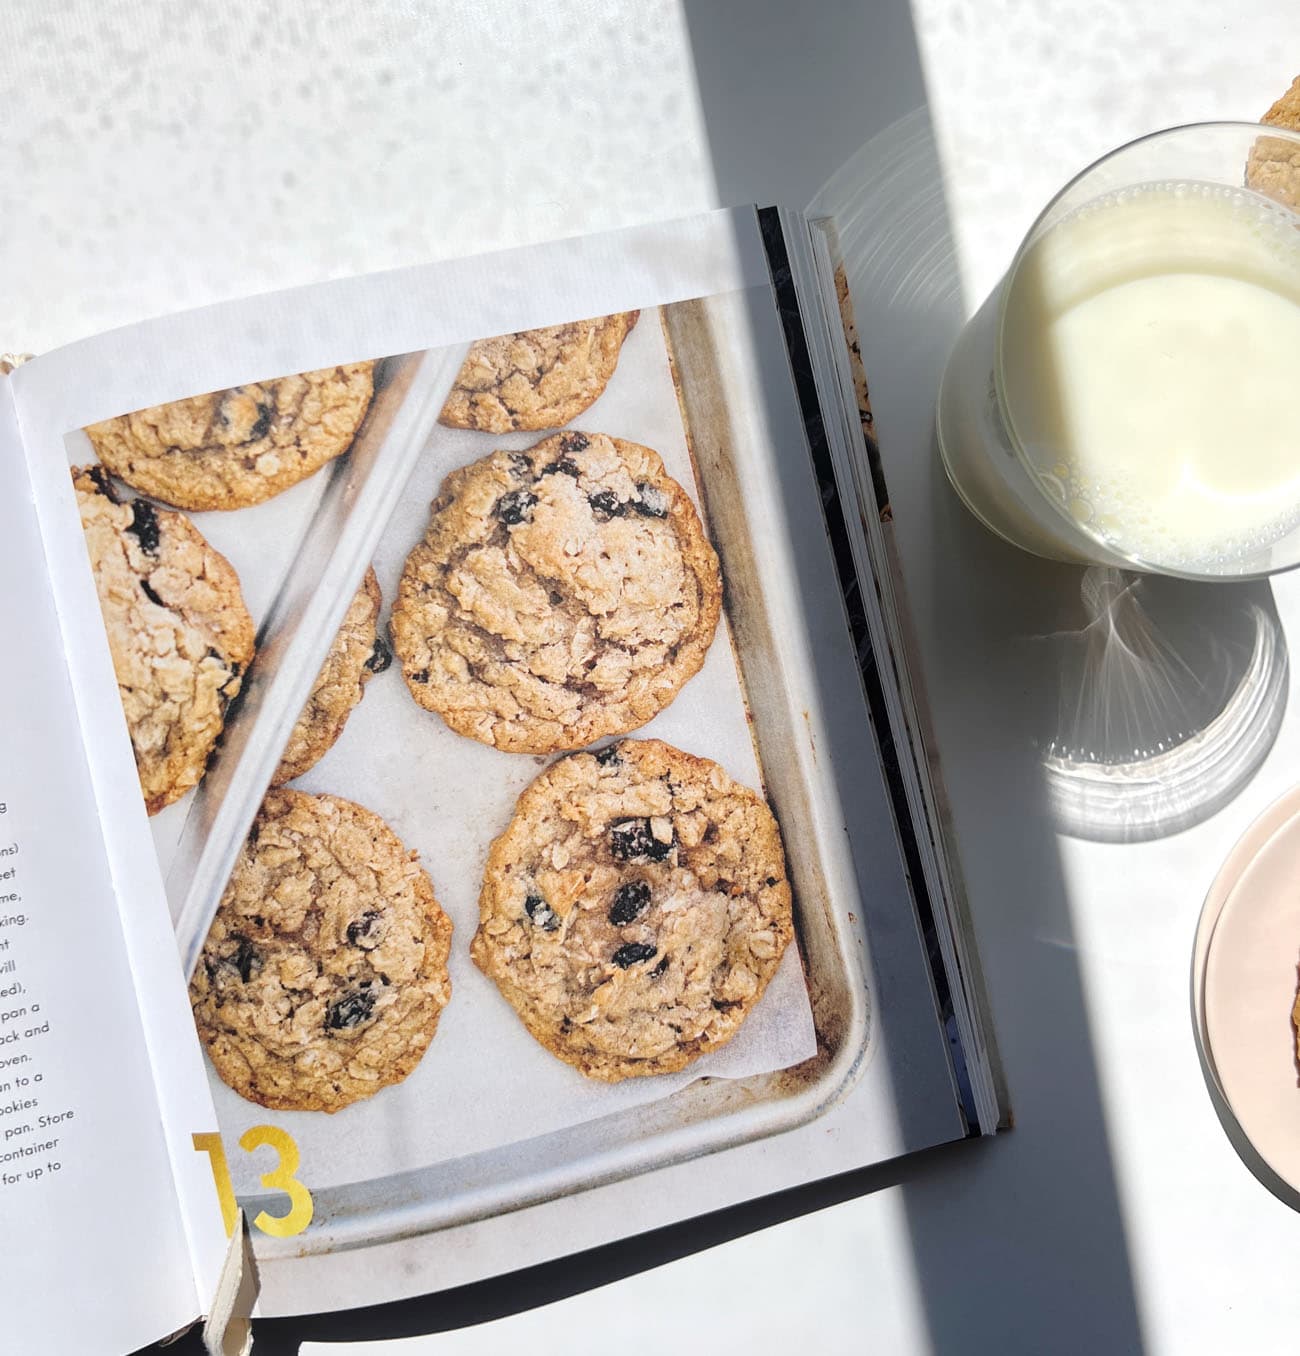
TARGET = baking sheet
x,y
484,1082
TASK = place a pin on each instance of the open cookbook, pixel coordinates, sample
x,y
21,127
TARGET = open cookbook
x,y
463,793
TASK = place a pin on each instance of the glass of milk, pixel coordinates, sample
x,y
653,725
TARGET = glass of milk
x,y
1128,395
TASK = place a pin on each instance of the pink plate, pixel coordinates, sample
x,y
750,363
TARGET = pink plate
x,y
1251,954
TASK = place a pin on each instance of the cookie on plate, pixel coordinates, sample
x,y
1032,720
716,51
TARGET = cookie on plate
x,y
230,449
179,633
1274,167
355,656
635,908
325,971
1285,111
560,594
536,379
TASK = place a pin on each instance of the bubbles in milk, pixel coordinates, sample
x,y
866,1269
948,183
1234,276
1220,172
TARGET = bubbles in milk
x,y
1202,475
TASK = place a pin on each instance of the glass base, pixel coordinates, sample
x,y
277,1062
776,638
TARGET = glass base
x,y
1170,697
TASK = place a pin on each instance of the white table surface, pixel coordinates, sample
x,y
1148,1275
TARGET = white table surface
x,y
159,156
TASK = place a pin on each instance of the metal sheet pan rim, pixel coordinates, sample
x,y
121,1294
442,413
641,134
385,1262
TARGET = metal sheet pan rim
x,y
703,1117
338,1227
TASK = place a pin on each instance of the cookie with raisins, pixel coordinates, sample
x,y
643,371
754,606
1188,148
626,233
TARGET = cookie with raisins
x,y
635,908
237,447
536,379
560,594
356,654
325,971
178,631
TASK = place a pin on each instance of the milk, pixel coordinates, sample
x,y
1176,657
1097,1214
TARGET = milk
x,y
1150,360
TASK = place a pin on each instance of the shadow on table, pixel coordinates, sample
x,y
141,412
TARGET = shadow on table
x,y
1018,1243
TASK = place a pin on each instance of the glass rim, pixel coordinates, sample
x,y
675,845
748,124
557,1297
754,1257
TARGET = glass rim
x,y
1255,129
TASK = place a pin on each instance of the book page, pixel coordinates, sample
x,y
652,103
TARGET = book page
x,y
93,1253
377,1086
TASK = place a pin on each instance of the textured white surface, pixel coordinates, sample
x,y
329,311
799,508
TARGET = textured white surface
x,y
160,156
846,1286
145,168
1025,96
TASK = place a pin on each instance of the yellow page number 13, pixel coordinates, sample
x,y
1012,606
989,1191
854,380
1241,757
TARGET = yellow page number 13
x,y
280,1178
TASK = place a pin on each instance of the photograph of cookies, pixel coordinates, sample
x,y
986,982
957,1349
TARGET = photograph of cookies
x,y
560,594
356,654
635,908
178,631
546,594
536,379
233,448
325,970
